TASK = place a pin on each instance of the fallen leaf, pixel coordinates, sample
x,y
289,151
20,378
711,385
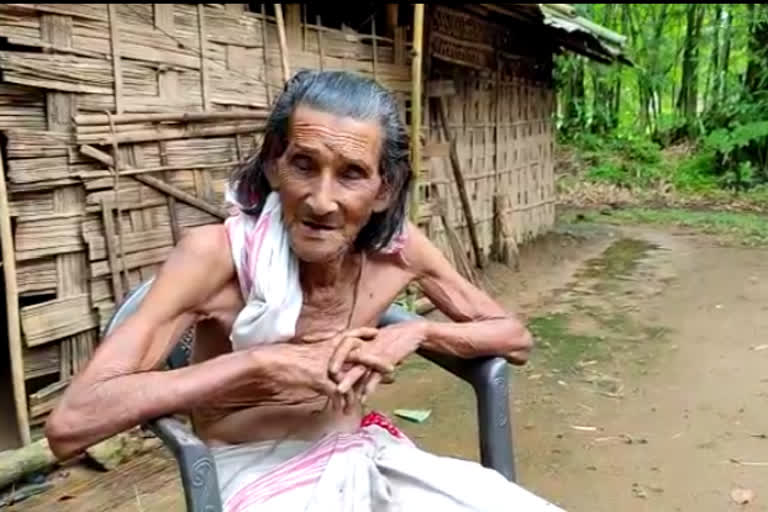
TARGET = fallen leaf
x,y
638,491
759,436
583,428
742,496
415,415
535,376
760,347
563,383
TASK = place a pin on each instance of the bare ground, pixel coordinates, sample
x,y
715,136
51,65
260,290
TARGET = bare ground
x,y
645,393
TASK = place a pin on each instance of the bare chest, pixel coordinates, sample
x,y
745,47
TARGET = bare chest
x,y
380,283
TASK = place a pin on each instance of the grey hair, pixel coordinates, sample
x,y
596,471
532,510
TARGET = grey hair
x,y
343,94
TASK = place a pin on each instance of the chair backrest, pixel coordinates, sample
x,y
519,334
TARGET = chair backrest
x,y
179,356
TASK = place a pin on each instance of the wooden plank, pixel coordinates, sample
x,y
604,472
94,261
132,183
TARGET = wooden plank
x,y
43,401
12,314
55,319
184,132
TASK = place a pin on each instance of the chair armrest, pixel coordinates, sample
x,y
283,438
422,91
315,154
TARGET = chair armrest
x,y
196,465
490,380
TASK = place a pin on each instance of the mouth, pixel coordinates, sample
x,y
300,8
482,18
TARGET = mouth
x,y
317,226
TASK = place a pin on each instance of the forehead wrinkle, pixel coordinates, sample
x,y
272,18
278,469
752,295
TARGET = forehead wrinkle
x,y
313,137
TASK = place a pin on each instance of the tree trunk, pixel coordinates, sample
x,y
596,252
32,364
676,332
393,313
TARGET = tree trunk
x,y
688,98
713,76
757,68
726,57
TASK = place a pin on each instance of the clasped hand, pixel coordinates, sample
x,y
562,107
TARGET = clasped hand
x,y
363,357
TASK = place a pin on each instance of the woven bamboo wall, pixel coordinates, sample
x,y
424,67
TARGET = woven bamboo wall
x,y
83,238
501,118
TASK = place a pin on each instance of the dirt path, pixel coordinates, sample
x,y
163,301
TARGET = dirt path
x,y
645,387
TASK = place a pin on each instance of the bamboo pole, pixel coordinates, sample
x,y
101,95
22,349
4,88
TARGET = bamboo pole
x,y
418,32
461,186
281,40
12,313
114,39
375,49
203,47
101,119
264,47
157,134
320,42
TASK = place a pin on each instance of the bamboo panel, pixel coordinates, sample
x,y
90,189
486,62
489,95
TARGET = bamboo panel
x,y
138,240
56,319
32,205
57,193
46,237
36,277
132,261
41,361
67,73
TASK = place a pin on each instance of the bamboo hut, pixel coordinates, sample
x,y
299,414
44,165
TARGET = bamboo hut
x,y
121,122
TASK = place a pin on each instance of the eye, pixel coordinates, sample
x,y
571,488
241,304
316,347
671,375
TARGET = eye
x,y
302,163
353,172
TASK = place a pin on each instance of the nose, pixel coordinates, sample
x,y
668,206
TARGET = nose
x,y
322,200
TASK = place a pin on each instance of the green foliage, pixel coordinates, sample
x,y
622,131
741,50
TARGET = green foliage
x,y
700,80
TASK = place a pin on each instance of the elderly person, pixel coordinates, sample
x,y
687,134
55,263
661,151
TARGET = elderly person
x,y
285,296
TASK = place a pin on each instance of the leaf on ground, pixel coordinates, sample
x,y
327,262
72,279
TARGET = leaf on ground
x,y
760,347
584,428
415,415
742,496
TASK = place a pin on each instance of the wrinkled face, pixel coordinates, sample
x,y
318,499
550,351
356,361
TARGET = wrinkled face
x,y
329,182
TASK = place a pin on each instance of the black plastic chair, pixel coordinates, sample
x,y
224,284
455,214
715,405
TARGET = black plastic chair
x,y
488,377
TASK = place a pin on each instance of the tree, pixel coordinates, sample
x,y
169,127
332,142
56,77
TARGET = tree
x,y
687,101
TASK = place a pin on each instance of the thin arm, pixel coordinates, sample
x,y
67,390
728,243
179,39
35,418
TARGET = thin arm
x,y
489,378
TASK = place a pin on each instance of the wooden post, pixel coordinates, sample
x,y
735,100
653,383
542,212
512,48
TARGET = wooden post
x,y
283,43
392,22
12,313
418,32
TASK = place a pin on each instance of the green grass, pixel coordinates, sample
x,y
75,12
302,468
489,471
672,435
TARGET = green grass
x,y
562,347
750,229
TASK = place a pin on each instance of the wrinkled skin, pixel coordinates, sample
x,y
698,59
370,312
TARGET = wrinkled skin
x,y
329,184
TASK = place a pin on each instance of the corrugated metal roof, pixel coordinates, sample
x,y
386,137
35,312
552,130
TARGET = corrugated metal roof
x,y
570,30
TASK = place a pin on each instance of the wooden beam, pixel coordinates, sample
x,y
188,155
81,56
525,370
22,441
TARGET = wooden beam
x,y
418,40
392,22
12,314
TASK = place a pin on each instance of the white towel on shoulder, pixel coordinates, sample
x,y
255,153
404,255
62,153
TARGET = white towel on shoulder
x,y
268,272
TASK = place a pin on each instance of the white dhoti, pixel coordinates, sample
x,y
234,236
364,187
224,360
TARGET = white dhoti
x,y
376,469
